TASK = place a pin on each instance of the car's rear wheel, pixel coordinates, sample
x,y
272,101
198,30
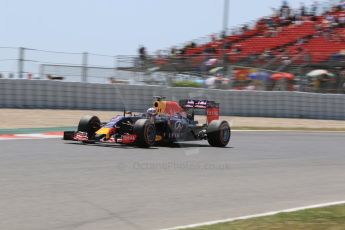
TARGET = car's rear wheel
x,y
146,133
89,124
218,133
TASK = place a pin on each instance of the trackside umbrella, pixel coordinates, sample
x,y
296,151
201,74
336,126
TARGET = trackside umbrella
x,y
319,72
262,76
279,76
215,70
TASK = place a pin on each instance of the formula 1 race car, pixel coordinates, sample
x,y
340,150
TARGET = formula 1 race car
x,y
165,123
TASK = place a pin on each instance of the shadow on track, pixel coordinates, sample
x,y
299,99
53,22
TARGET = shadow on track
x,y
187,145
173,145
118,146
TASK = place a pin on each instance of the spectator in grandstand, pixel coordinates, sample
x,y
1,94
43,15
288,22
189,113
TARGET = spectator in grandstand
x,y
275,12
300,42
326,27
227,45
173,52
297,18
182,51
341,20
160,58
338,56
244,28
213,37
237,49
342,81
299,46
306,58
271,27
285,59
330,18
142,56
142,53
318,29
261,25
29,76
187,47
192,45
223,34
267,54
326,83
314,7
210,50
271,32
285,10
262,58
341,5
302,10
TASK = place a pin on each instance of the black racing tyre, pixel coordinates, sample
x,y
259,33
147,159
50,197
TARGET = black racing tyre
x,y
146,133
89,124
218,133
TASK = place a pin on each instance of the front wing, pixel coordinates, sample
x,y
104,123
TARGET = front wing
x,y
83,137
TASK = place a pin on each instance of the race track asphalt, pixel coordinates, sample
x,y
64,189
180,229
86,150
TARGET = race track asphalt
x,y
53,184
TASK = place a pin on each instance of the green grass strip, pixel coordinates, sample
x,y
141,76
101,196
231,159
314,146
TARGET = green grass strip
x,y
330,218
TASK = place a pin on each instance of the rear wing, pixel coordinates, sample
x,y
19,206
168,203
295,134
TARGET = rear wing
x,y
211,108
198,104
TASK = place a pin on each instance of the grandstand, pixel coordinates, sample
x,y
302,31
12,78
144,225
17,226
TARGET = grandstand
x,y
295,42
323,36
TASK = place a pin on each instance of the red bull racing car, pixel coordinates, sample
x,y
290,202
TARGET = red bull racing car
x,y
164,123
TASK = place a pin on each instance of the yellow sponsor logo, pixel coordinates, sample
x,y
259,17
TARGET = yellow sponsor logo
x,y
158,138
105,131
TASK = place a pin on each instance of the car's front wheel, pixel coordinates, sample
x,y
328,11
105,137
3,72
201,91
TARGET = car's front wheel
x,y
146,133
89,124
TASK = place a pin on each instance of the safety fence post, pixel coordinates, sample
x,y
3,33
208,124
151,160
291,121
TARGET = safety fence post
x,y
84,67
21,62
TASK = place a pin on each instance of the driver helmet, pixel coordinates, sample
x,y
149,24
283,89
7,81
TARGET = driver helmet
x,y
151,111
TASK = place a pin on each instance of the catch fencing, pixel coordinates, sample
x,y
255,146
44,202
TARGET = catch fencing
x,y
191,70
46,94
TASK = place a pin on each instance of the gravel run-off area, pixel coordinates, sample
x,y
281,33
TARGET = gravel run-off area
x,y
38,118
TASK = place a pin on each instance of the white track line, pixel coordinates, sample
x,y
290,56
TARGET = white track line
x,y
255,215
30,136
37,135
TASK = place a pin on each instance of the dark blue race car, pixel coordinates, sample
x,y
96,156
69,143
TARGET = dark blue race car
x,y
164,123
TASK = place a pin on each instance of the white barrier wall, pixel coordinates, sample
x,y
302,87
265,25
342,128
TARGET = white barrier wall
x,y
46,94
